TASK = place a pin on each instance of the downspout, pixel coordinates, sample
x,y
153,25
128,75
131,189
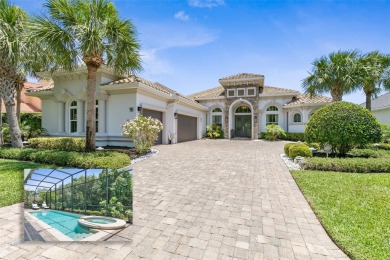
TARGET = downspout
x,y
287,121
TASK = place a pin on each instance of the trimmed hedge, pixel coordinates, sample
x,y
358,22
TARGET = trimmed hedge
x,y
287,148
299,150
58,143
294,137
103,159
366,153
358,165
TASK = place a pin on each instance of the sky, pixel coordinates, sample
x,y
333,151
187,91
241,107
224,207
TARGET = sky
x,y
189,45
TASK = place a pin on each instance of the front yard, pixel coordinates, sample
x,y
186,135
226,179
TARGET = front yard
x,y
354,209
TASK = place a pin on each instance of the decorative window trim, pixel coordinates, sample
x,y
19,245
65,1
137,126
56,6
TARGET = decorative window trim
x,y
97,116
293,118
267,122
254,92
73,106
272,106
231,90
216,114
241,89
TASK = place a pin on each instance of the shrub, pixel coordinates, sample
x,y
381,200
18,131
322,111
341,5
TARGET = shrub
x,y
144,132
359,165
262,135
344,126
287,148
58,143
366,153
385,133
214,131
299,150
294,137
104,159
272,132
314,145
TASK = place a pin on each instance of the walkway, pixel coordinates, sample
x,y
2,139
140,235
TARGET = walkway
x,y
201,200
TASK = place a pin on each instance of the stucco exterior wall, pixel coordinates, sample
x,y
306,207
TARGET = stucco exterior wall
x,y
49,115
382,115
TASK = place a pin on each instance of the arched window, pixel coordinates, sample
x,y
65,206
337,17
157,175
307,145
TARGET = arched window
x,y
311,113
272,116
73,117
272,108
216,116
297,118
97,115
243,109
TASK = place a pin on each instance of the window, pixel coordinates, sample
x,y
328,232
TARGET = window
x,y
272,119
231,93
250,92
311,113
297,118
243,109
272,108
97,115
216,116
240,92
73,116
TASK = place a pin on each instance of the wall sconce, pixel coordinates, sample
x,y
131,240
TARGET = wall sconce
x,y
226,119
139,109
131,109
175,115
255,119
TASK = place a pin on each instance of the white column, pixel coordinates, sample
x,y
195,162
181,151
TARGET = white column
x,y
61,117
80,116
102,116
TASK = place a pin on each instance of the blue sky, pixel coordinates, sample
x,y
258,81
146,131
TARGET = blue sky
x,y
189,45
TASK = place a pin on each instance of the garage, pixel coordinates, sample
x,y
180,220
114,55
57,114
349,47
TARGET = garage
x,y
157,115
186,128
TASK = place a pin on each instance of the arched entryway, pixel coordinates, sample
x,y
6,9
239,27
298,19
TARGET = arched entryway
x,y
243,121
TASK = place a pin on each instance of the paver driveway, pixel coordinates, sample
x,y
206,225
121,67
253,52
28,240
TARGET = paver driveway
x,y
202,200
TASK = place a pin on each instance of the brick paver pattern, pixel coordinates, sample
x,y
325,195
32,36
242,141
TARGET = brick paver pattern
x,y
201,200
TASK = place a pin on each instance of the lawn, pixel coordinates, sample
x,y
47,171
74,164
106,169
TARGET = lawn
x,y
353,208
11,180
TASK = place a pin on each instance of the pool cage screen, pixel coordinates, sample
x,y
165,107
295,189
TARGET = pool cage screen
x,y
103,192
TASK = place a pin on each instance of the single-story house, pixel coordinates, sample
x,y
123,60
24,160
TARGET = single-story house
x,y
242,105
380,108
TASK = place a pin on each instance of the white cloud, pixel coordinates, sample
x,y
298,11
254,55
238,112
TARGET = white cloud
x,y
206,3
153,64
181,15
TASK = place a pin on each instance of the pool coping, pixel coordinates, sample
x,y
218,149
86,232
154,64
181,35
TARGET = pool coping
x,y
97,236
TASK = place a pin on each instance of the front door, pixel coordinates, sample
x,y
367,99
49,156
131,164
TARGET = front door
x,y
243,126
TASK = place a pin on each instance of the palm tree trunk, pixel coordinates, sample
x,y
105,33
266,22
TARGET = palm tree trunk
x,y
336,94
18,99
7,91
368,100
91,102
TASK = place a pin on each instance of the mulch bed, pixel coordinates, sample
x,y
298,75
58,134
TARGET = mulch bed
x,y
131,152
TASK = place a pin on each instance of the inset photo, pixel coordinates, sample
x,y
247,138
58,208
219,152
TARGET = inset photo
x,y
78,205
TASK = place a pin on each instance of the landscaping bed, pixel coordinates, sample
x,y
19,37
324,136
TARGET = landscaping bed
x,y
353,208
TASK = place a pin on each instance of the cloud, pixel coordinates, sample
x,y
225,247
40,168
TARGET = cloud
x,y
153,64
206,3
181,15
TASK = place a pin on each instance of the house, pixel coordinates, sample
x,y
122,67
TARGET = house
x,y
380,108
242,105
28,104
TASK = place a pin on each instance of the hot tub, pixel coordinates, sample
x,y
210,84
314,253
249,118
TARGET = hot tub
x,y
98,222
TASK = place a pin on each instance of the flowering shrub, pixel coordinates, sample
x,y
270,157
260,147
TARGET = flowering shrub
x,y
144,132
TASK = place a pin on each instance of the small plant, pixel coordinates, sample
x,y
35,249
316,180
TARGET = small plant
x,y
144,132
214,131
299,150
273,132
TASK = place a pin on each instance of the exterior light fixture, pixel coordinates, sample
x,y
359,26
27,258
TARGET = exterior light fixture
x,y
175,115
139,109
131,109
255,119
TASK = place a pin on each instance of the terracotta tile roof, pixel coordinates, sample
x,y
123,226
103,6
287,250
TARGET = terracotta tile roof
x,y
383,101
276,90
242,76
306,99
208,93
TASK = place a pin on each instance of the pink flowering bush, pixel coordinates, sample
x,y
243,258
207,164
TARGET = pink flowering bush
x,y
144,132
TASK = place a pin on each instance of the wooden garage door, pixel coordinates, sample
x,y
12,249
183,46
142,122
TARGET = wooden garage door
x,y
186,128
154,114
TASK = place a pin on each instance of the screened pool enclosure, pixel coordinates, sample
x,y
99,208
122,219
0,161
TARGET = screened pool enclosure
x,y
104,192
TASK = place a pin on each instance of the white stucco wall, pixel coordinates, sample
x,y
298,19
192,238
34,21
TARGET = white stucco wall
x,y
382,115
49,115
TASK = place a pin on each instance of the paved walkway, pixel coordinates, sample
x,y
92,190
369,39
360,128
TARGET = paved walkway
x,y
201,200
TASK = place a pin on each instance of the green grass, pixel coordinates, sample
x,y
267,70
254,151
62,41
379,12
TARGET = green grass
x,y
11,180
353,208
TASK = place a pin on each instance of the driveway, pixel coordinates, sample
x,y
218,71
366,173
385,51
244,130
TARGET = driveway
x,y
202,200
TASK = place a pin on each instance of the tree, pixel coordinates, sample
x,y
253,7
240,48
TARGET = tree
x,y
373,74
334,73
89,32
344,126
12,55
1,121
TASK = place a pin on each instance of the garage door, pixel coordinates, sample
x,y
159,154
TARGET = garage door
x,y
157,115
186,128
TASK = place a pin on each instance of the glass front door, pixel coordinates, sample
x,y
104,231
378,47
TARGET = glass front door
x,y
243,126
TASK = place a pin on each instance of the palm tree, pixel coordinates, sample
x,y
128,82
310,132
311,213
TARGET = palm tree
x,y
334,73
1,121
374,74
12,50
88,32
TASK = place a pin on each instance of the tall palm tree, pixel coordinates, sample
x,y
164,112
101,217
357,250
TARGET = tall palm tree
x,y
1,121
334,73
89,32
373,74
12,50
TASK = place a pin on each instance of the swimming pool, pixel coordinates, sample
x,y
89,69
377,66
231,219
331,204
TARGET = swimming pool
x,y
64,222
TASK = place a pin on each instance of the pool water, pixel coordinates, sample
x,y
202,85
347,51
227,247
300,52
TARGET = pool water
x,y
101,220
64,222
